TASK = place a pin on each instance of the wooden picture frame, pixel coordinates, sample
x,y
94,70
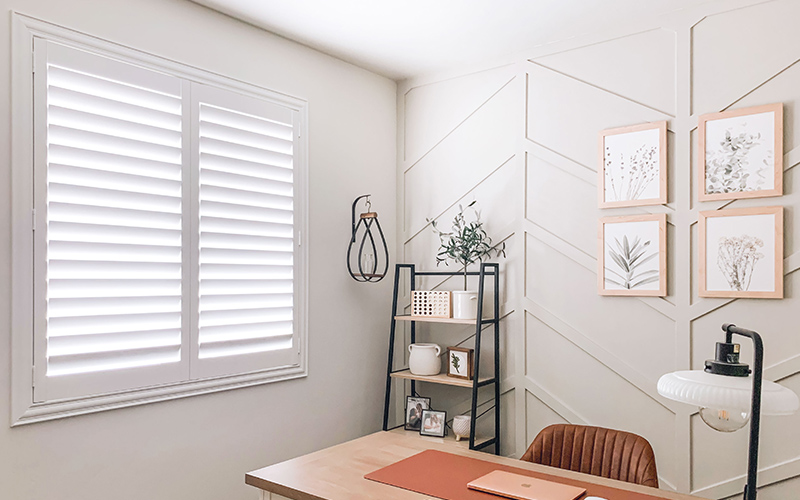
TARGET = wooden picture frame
x,y
725,172
463,368
415,406
637,148
628,263
434,423
746,239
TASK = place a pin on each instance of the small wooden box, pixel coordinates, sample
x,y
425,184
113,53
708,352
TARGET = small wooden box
x,y
431,304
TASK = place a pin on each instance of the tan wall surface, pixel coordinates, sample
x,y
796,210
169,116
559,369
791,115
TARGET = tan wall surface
x,y
520,136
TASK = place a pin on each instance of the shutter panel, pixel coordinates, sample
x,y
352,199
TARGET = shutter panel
x,y
113,234
247,319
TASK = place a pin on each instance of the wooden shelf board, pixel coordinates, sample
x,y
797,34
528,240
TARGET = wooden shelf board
x,y
437,379
406,317
450,437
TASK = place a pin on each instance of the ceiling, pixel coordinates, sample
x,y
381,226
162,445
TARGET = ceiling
x,y
405,39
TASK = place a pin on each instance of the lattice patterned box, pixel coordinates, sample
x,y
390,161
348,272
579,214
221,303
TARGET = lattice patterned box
x,y
431,304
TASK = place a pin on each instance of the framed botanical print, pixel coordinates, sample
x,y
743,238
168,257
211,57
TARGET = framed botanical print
x,y
633,166
459,362
632,255
741,253
741,153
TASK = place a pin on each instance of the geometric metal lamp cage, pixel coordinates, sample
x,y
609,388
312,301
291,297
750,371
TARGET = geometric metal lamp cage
x,y
367,254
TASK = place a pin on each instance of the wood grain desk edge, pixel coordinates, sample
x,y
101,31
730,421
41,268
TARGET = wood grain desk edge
x,y
254,478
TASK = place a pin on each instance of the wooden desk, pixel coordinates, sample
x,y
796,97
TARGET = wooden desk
x,y
337,473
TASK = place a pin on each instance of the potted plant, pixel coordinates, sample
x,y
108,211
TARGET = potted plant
x,y
465,244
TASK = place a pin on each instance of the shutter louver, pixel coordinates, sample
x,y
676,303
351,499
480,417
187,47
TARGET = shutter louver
x,y
246,244
114,222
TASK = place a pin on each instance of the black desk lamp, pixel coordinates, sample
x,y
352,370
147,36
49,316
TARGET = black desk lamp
x,y
726,396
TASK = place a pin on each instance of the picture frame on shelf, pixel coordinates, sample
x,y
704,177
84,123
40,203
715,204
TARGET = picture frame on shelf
x,y
415,406
632,256
740,153
633,166
460,362
434,423
741,253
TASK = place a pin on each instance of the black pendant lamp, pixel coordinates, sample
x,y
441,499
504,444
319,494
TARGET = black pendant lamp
x,y
367,254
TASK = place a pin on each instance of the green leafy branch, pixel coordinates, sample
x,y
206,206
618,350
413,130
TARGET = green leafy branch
x,y
467,242
456,362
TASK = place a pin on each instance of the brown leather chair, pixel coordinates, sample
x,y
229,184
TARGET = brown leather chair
x,y
595,450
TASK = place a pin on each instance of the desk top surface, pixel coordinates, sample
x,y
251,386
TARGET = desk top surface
x,y
337,473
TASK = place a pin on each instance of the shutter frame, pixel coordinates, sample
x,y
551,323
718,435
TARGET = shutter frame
x,y
27,32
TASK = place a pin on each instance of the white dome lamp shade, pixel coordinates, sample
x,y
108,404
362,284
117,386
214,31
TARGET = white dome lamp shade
x,y
729,394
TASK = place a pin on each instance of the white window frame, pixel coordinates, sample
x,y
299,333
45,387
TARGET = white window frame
x,y
23,408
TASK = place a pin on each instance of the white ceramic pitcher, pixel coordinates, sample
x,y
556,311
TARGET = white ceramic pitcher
x,y
424,359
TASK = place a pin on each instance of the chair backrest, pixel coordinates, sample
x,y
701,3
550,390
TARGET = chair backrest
x,y
595,450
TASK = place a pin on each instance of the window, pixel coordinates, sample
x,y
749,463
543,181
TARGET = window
x,y
165,250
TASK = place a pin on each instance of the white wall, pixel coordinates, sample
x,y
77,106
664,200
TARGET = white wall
x,y
520,135
200,447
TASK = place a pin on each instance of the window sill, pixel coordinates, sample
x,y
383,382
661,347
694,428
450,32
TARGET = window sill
x,y
42,412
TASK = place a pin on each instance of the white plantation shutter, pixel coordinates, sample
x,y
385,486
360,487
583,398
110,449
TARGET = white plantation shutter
x,y
166,222
246,233
167,216
109,210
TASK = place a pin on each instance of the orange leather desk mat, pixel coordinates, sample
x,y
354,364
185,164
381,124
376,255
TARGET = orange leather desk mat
x,y
444,475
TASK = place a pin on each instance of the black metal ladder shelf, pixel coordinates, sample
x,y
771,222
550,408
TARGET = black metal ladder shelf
x,y
486,270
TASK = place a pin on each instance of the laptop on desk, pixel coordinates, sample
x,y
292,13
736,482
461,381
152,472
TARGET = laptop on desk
x,y
519,487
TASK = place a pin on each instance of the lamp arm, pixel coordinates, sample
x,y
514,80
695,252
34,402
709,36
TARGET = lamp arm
x,y
755,410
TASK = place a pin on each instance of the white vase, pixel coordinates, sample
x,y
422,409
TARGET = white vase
x,y
424,359
461,425
465,305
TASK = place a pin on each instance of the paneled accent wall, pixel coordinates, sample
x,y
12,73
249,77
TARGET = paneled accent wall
x,y
520,136
461,144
